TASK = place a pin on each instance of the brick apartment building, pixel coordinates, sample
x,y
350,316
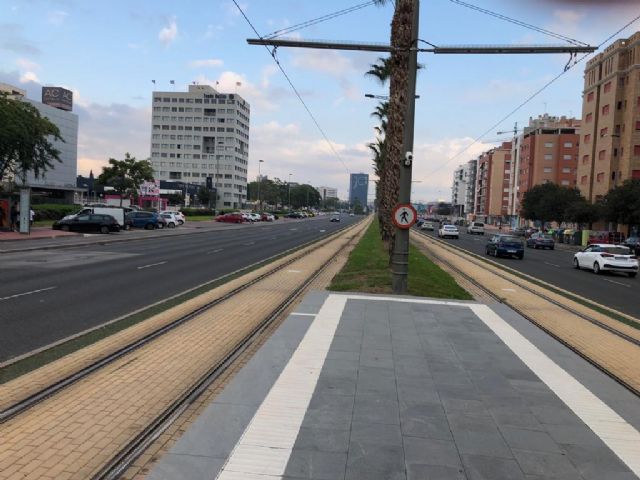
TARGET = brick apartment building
x,y
493,177
610,148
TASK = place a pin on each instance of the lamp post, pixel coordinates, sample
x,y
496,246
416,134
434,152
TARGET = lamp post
x,y
289,185
259,183
307,189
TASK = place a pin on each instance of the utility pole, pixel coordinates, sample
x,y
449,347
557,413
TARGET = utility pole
x,y
400,255
259,183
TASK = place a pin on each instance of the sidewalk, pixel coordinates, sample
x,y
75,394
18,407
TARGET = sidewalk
x,y
370,387
36,233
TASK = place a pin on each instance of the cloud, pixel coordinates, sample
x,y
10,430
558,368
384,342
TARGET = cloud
x,y
227,82
328,62
57,18
29,77
212,62
11,40
169,33
213,31
231,9
26,64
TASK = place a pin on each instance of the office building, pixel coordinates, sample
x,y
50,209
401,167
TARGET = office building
x,y
610,148
202,133
327,192
358,189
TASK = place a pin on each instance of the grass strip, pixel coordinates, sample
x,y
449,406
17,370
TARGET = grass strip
x,y
367,270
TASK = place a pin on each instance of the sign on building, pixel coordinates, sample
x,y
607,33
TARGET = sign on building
x,y
58,97
150,189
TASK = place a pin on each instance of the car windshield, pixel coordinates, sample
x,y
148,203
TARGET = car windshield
x,y
478,224
509,239
615,250
449,227
546,237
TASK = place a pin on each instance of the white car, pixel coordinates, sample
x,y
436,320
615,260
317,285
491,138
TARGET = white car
x,y
427,226
476,228
170,219
603,257
179,216
449,231
255,217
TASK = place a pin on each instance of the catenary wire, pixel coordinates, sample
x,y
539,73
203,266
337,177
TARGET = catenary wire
x,y
315,21
518,22
531,97
295,90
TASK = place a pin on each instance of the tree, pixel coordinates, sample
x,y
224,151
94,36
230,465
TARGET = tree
x,y
583,212
548,202
622,204
174,198
25,140
126,176
204,195
357,207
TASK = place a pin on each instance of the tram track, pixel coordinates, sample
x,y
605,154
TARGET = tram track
x,y
118,462
509,277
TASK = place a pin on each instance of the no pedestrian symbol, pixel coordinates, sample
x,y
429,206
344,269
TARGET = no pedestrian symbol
x,y
404,216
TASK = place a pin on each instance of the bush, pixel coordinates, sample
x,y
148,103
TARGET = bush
x,y
192,212
52,211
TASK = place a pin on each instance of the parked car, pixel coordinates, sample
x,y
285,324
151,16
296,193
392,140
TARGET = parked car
x,y
541,240
294,215
475,228
427,226
170,219
530,231
231,218
519,231
146,220
254,217
449,231
601,257
507,245
267,217
88,222
633,242
179,216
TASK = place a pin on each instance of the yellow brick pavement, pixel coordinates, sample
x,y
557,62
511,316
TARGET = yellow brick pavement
x,y
93,419
611,352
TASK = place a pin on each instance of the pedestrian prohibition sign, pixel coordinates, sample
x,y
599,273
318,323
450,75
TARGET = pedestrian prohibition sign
x,y
404,216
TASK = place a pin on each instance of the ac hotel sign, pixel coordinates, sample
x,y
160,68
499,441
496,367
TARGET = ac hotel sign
x,y
57,97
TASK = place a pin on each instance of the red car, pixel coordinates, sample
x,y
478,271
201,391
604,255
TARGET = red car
x,y
230,218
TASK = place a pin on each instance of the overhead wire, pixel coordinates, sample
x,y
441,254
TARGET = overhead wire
x,y
272,53
531,97
519,22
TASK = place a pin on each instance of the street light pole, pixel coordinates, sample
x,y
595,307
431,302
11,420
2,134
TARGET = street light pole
x,y
400,256
259,183
289,185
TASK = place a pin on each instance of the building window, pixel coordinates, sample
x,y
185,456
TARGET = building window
x,y
607,87
547,169
567,157
548,144
583,180
635,174
566,170
600,177
601,155
637,125
590,96
585,159
587,138
564,182
605,110
604,131
636,150
548,156
589,117
568,144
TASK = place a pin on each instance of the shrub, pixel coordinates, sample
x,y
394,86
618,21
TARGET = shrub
x,y
52,211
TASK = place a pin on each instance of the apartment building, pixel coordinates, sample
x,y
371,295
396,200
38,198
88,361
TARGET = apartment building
x,y
202,133
463,188
470,190
327,192
493,178
546,152
610,148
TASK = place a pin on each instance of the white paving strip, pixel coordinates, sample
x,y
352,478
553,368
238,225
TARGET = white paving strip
x,y
151,265
26,293
264,449
621,437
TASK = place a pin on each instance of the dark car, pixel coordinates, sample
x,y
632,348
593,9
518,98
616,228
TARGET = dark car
x,y
146,220
633,243
506,245
294,215
519,232
88,223
541,240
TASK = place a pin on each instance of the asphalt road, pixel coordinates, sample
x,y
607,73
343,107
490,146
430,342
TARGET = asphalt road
x,y
50,294
614,290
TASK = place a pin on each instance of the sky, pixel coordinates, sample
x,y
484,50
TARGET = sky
x,y
108,53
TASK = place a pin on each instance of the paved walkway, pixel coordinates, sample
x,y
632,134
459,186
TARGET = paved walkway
x,y
371,387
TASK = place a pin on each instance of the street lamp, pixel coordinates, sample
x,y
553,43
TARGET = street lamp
x,y
259,182
289,185
381,97
307,189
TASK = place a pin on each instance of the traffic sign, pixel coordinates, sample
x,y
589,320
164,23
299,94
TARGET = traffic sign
x,y
404,216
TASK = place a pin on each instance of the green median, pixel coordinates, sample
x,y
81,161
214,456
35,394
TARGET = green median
x,y
367,270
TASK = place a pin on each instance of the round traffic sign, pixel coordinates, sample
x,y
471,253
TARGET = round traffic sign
x,y
404,216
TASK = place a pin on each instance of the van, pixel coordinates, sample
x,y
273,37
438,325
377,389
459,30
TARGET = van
x,y
476,228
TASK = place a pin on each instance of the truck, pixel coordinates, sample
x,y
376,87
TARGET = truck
x,y
116,212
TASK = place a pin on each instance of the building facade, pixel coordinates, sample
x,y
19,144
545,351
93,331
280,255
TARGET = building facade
x,y
358,189
202,133
59,182
327,192
470,188
610,147
458,191
493,177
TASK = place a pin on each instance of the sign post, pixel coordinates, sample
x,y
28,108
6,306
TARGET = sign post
x,y
404,216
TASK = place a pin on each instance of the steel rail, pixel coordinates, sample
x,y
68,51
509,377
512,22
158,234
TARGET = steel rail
x,y
54,388
458,251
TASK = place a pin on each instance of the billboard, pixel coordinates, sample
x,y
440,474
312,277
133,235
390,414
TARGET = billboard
x,y
58,97
150,189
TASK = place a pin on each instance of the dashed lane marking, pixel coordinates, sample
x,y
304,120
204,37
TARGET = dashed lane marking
x,y
151,265
617,283
215,251
26,293
552,264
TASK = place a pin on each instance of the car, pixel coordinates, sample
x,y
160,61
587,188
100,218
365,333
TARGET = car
x,y
633,242
605,257
170,219
530,231
179,216
427,226
267,217
475,228
294,215
231,218
352,214
146,220
88,222
519,231
334,218
507,245
255,217
450,231
541,240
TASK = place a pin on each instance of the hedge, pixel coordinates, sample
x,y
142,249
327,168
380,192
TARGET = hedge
x,y
52,211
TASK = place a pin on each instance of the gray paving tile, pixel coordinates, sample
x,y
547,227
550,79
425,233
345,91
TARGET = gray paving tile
x,y
376,410
341,355
346,343
412,395
323,439
434,472
188,467
482,443
325,416
316,465
480,467
574,435
556,415
532,440
376,434
376,358
426,451
367,462
328,401
464,406
546,464
595,462
340,385
515,416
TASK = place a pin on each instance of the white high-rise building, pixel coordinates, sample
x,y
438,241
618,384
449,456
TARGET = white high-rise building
x,y
463,189
202,133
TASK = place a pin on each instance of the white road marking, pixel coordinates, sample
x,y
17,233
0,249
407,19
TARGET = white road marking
x,y
151,265
248,244
304,314
617,283
26,293
621,437
508,290
552,264
215,251
294,271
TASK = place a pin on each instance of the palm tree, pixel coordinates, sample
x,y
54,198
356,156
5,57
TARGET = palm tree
x,y
397,68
